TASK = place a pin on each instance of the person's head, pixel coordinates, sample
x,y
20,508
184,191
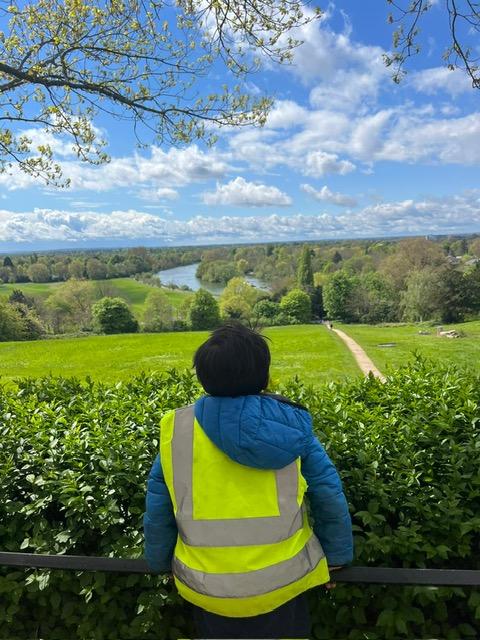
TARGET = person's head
x,y
234,361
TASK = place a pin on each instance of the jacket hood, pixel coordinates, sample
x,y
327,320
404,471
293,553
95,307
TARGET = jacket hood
x,y
258,431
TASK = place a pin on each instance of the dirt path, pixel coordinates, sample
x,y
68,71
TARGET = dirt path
x,y
363,361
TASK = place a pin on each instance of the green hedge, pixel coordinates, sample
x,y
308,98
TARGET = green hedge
x,y
74,458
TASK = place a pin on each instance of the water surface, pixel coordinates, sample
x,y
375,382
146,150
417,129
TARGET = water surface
x,y
186,275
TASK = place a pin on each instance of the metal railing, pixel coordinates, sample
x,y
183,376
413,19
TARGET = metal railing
x,y
367,575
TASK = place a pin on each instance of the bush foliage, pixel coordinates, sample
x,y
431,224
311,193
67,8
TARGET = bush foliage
x,y
74,459
113,315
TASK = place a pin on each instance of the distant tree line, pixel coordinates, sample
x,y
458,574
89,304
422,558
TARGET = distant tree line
x,y
414,279
92,265
356,281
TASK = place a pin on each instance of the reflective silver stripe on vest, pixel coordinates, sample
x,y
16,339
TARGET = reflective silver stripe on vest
x,y
232,532
252,583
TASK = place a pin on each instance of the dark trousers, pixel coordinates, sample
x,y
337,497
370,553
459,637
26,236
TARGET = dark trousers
x,y
291,620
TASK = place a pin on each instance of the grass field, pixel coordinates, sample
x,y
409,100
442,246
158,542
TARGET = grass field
x,y
31,289
132,291
309,351
463,351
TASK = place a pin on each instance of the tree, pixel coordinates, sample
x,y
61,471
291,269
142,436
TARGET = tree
x,y
216,271
62,61
31,327
337,294
113,315
316,298
304,270
69,307
18,297
265,313
463,18
204,312
373,299
474,248
7,262
76,269
337,257
242,265
297,306
411,254
96,269
453,295
60,270
419,299
158,314
237,299
6,274
12,323
38,272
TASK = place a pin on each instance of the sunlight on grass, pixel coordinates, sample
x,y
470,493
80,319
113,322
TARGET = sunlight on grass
x,y
407,340
309,351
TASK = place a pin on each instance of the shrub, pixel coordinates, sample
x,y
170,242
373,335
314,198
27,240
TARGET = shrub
x,y
204,312
297,305
113,315
74,459
13,325
158,314
266,309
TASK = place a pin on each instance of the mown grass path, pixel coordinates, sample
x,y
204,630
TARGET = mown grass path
x,y
311,352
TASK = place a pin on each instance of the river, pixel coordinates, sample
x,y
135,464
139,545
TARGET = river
x,y
186,275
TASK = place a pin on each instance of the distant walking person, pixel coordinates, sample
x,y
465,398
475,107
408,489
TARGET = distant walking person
x,y
225,505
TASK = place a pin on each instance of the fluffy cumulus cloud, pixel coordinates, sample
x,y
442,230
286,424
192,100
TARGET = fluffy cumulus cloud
x,y
319,163
161,170
158,195
347,122
326,195
343,73
430,215
417,137
240,193
438,79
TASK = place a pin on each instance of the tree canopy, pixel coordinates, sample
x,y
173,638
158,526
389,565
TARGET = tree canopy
x,y
462,52
63,61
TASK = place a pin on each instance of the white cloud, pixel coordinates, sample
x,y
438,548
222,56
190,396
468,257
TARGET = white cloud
x,y
156,195
415,138
175,167
451,214
240,193
345,74
319,163
368,134
326,195
286,114
438,79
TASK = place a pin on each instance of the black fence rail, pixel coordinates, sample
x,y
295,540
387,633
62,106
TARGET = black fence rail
x,y
366,575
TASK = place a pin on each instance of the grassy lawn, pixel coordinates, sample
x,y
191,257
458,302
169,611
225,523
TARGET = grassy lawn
x,y
309,351
132,291
135,293
30,289
462,351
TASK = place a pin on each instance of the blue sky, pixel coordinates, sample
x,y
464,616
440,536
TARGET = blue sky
x,y
345,153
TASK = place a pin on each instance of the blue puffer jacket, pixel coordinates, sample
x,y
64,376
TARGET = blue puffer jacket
x,y
265,432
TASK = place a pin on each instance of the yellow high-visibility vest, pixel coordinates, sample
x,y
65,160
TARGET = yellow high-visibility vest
x,y
244,544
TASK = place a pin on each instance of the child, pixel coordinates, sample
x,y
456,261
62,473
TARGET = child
x,y
225,505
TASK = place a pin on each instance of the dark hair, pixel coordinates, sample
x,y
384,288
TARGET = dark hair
x,y
234,361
